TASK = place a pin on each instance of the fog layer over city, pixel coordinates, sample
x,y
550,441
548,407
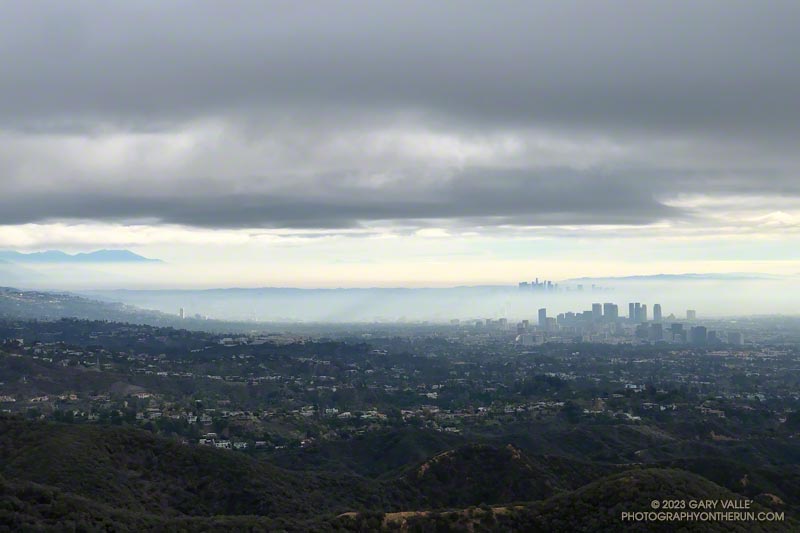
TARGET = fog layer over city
x,y
709,297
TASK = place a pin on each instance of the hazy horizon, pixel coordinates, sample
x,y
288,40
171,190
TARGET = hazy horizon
x,y
166,287
710,298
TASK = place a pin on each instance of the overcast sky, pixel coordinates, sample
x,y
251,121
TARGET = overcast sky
x,y
319,143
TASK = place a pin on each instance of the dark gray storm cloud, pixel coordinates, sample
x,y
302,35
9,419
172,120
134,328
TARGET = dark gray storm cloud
x,y
717,79
477,197
646,65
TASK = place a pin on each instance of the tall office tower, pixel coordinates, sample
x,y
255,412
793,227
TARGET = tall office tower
x,y
691,314
698,335
526,324
610,312
657,312
637,312
182,313
631,311
712,337
597,312
524,286
643,313
543,318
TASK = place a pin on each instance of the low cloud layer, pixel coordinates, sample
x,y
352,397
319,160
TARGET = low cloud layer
x,y
468,116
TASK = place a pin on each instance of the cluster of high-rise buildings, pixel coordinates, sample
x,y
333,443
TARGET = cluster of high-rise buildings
x,y
604,319
607,312
536,285
549,286
695,335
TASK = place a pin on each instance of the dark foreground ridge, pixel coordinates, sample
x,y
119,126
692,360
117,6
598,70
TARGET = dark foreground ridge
x,y
58,477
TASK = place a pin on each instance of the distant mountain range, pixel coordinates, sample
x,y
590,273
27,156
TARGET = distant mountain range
x,y
57,256
727,276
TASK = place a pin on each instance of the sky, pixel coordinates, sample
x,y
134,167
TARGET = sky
x,y
413,143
